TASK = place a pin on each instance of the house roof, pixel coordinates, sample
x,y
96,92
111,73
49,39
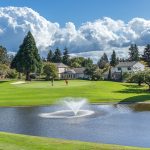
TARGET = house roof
x,y
126,64
79,70
61,65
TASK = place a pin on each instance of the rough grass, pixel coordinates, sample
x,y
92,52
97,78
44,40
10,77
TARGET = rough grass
x,y
42,93
22,142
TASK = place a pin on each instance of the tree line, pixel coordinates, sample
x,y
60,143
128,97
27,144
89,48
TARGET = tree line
x,y
57,57
27,60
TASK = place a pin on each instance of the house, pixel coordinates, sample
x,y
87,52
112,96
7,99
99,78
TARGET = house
x,y
126,67
65,72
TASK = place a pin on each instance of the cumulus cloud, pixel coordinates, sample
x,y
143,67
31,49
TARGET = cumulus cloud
x,y
91,39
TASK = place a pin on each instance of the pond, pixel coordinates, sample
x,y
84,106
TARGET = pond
x,y
123,124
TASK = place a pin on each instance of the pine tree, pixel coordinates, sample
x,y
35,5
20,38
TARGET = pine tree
x,y
113,61
3,55
50,56
66,56
133,53
27,59
57,57
103,61
146,55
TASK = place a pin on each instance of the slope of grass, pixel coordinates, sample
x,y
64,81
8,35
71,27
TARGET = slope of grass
x,y
42,93
22,142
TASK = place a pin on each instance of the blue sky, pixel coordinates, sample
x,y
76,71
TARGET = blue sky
x,y
80,11
87,28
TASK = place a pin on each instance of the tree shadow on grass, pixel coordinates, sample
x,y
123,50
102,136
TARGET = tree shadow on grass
x,y
3,81
135,99
133,89
133,86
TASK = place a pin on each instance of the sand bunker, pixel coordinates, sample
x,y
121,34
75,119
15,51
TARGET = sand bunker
x,y
18,82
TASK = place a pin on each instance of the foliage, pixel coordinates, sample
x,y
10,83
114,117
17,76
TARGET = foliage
x,y
50,71
133,53
50,56
80,62
3,70
3,55
94,73
76,62
97,75
114,60
103,61
137,77
147,78
27,59
66,57
109,73
57,56
141,77
87,62
126,76
11,74
146,55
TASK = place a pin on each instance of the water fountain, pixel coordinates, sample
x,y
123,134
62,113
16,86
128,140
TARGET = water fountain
x,y
73,110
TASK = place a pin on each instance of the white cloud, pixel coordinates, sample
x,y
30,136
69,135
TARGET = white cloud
x,y
91,39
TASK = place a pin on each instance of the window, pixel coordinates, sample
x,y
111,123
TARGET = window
x,y
129,68
119,68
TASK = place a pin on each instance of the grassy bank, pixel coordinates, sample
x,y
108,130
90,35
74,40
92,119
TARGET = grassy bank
x,y
22,142
42,93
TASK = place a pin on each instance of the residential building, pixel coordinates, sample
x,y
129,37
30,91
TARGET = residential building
x,y
126,67
65,72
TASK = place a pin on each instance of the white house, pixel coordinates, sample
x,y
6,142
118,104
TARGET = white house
x,y
65,72
126,67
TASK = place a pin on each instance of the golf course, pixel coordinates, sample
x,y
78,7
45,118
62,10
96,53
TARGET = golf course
x,y
40,93
36,93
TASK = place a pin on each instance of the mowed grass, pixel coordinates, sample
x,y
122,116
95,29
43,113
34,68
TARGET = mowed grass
x,y
42,93
22,142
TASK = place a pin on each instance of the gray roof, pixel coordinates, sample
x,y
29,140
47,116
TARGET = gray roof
x,y
79,70
61,65
126,64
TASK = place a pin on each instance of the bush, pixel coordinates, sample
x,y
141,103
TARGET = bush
x,y
3,70
11,74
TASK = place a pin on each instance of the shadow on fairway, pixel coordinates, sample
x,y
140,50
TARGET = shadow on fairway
x,y
135,99
133,89
2,81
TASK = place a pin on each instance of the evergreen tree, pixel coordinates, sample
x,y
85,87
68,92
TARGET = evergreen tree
x,y
109,73
146,55
3,55
50,56
113,61
133,53
65,58
103,61
57,57
27,59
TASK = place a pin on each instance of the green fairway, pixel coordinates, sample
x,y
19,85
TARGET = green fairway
x,y
42,93
22,142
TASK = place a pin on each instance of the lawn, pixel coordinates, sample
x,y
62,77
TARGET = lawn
x,y
22,142
42,93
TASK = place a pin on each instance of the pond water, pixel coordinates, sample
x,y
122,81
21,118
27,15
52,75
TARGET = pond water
x,y
113,124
